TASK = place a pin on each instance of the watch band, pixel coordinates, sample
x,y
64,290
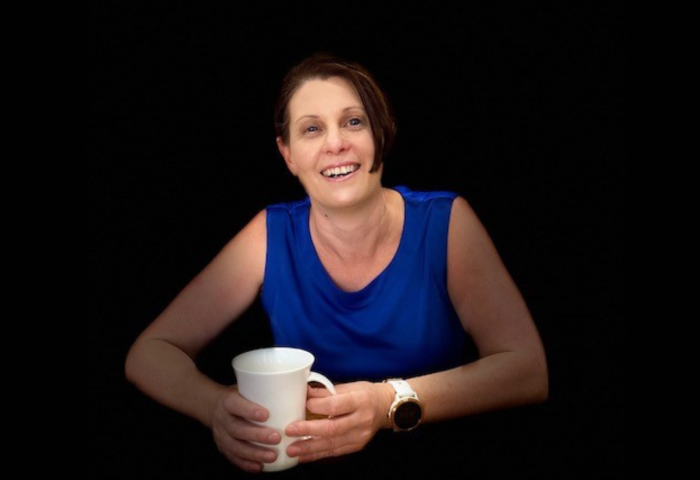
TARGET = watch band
x,y
403,389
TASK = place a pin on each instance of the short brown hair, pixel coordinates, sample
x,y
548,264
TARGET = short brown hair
x,y
375,102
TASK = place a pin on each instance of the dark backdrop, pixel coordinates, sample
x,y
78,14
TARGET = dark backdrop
x,y
520,109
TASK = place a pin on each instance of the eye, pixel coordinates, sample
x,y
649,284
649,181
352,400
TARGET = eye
x,y
355,122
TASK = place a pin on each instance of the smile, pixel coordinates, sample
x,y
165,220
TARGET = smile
x,y
341,171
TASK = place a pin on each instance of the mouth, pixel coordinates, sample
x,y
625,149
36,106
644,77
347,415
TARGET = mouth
x,y
341,171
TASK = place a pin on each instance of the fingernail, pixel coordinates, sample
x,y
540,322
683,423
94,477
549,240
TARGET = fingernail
x,y
259,415
293,451
292,430
274,438
270,457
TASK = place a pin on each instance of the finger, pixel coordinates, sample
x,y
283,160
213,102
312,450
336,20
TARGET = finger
x,y
321,447
331,405
318,390
242,429
326,427
235,404
245,455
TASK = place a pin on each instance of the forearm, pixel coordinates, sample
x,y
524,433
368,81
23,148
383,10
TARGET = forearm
x,y
494,382
168,375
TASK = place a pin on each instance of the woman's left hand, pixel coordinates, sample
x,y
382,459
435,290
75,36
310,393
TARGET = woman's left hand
x,y
356,413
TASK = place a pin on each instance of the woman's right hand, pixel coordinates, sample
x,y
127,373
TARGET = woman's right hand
x,y
233,429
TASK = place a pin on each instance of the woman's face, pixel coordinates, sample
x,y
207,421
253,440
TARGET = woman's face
x,y
331,148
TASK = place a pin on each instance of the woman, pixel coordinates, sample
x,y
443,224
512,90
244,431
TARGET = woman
x,y
378,283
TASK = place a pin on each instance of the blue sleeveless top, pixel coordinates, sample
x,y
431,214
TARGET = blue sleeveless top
x,y
400,325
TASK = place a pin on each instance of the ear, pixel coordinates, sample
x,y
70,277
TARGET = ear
x,y
287,155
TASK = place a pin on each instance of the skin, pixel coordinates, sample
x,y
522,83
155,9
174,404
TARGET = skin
x,y
355,225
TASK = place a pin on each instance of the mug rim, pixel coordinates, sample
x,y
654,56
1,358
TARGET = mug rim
x,y
235,363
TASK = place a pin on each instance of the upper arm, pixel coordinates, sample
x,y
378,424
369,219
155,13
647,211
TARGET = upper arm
x,y
482,291
218,294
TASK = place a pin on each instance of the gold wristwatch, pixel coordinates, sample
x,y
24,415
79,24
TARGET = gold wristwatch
x,y
406,412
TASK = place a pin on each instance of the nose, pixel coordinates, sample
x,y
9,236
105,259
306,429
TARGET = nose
x,y
335,141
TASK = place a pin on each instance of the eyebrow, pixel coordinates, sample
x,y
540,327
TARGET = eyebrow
x,y
346,109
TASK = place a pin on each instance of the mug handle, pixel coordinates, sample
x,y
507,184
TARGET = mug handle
x,y
317,377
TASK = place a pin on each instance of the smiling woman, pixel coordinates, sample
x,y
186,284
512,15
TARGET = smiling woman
x,y
382,285
370,100
330,142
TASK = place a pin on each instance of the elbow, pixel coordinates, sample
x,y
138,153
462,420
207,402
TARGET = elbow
x,y
541,391
131,364
539,383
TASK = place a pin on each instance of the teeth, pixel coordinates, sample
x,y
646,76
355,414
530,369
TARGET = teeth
x,y
337,171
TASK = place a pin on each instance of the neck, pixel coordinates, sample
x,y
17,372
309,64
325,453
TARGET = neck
x,y
354,232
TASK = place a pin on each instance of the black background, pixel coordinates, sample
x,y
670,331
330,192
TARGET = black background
x,y
518,108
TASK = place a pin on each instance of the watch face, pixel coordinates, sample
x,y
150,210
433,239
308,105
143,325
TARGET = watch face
x,y
407,415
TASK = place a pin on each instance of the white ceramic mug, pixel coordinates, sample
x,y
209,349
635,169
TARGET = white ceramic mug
x,y
276,378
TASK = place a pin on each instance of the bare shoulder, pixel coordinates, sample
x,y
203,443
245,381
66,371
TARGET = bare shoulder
x,y
469,244
236,272
464,222
460,204
256,229
249,247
